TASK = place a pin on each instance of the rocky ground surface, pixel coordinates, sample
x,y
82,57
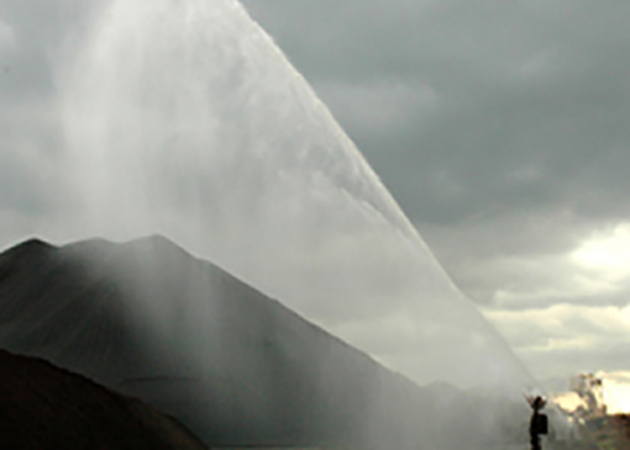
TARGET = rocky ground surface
x,y
45,407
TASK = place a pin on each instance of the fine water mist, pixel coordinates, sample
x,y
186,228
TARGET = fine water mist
x,y
185,119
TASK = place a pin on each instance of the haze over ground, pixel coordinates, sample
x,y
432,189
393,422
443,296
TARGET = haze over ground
x,y
499,129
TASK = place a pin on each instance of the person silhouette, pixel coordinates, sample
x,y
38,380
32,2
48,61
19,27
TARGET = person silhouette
x,y
538,422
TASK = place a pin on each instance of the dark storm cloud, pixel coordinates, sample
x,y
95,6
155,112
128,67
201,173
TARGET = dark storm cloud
x,y
524,250
531,99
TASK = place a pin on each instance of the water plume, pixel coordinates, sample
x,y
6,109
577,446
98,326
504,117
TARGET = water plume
x,y
183,118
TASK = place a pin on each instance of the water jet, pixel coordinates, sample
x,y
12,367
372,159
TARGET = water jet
x,y
186,120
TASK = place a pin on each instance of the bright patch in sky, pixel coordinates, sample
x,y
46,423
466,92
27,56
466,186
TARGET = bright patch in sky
x,y
617,392
608,252
569,401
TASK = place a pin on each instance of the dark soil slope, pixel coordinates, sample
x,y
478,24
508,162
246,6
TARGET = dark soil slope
x,y
44,407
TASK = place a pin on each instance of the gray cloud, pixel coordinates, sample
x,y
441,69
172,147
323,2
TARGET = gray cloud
x,y
529,100
565,339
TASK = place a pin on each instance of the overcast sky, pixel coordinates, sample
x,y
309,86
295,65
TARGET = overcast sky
x,y
500,127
